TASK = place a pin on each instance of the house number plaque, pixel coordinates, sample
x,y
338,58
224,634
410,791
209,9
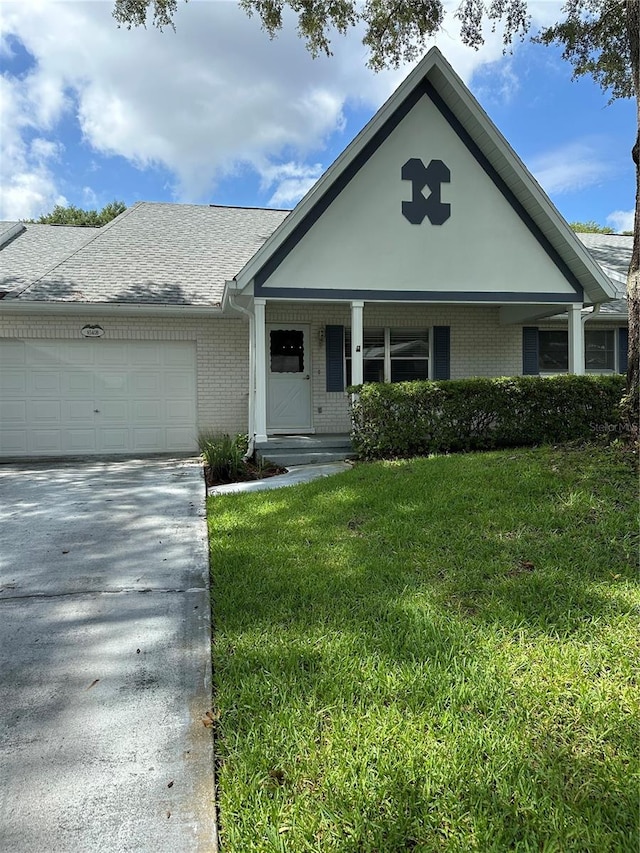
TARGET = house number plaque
x,y
92,331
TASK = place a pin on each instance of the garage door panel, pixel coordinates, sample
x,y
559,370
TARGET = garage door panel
x,y
111,354
13,354
141,354
13,381
148,411
179,385
112,384
114,440
96,396
175,412
78,412
47,411
80,441
180,356
45,383
146,383
13,442
13,413
80,382
114,410
45,441
181,438
148,439
43,354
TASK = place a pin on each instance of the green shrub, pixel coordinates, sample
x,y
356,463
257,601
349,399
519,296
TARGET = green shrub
x,y
224,455
417,418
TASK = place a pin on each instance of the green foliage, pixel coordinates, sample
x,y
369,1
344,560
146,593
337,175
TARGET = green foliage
x,y
73,215
590,227
407,419
593,32
596,40
224,455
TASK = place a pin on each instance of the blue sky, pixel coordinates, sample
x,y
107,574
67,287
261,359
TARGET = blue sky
x,y
218,113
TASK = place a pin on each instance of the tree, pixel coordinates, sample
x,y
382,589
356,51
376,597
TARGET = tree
x,y
73,215
600,38
590,227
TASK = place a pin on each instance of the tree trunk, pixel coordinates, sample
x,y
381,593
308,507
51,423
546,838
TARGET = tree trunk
x,y
631,400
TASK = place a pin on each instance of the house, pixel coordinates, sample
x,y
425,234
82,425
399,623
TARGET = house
x,y
427,250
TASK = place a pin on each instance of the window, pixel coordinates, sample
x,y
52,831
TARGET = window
x,y
286,351
553,351
599,349
391,354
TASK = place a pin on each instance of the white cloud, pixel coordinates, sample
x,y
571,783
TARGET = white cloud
x,y
206,101
26,176
621,220
292,181
572,167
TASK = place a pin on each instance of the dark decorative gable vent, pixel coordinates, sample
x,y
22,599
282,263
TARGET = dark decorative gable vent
x,y
421,176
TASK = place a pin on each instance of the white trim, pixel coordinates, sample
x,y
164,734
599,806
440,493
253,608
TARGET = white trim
x,y
357,343
575,340
261,370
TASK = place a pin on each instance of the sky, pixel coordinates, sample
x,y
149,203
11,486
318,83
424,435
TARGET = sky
x,y
217,113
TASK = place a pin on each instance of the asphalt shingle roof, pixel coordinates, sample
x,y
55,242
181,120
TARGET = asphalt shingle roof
x,y
153,253
613,253
35,250
176,254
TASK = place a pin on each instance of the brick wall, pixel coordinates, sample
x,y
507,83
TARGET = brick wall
x,y
480,346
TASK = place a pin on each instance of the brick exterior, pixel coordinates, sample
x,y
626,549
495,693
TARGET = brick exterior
x,y
480,346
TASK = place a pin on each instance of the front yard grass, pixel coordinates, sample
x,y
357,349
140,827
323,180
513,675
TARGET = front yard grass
x,y
430,655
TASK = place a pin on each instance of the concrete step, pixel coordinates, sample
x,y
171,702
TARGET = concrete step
x,y
288,458
328,442
288,450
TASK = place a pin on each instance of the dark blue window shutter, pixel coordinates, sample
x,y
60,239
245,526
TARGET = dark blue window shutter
x,y
530,351
623,348
441,352
334,341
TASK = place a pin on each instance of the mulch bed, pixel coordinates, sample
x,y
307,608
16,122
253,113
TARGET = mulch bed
x,y
251,472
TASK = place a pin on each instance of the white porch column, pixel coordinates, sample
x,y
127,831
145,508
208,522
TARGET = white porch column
x,y
576,339
357,364
260,411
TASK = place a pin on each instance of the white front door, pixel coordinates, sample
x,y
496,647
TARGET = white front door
x,y
288,378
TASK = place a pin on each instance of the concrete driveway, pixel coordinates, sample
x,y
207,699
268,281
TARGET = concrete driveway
x,y
104,659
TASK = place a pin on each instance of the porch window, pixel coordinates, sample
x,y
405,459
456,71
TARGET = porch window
x,y
553,351
391,354
599,349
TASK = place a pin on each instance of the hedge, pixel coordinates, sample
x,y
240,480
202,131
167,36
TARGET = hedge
x,y
417,418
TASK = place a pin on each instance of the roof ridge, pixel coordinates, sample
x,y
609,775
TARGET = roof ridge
x,y
98,233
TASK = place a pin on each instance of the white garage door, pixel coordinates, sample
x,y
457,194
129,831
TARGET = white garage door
x,y
95,396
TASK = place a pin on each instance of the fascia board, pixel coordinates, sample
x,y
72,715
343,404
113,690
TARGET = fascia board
x,y
104,309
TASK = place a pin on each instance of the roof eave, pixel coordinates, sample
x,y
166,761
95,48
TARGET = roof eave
x,y
103,309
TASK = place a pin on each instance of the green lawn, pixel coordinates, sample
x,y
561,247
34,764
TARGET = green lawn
x,y
430,655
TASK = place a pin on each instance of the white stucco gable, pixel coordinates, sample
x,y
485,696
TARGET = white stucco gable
x,y
357,234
